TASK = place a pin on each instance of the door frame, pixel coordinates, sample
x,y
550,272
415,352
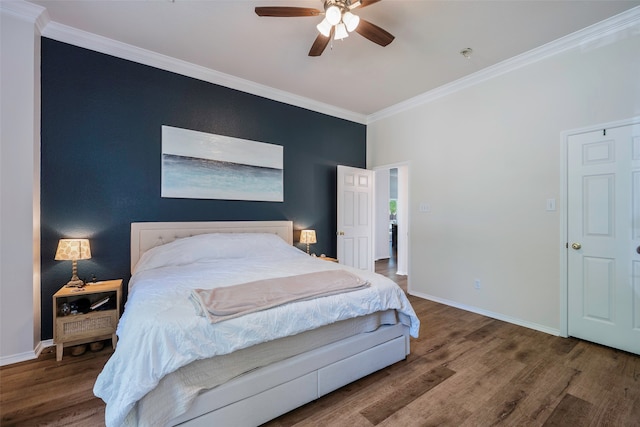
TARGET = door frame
x,y
403,238
564,220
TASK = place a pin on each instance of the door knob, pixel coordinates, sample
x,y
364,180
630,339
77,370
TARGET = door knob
x,y
638,249
576,246
340,233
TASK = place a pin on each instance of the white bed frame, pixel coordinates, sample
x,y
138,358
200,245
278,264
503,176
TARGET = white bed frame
x,y
263,394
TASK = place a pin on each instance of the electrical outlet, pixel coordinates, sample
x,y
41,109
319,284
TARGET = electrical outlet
x,y
477,284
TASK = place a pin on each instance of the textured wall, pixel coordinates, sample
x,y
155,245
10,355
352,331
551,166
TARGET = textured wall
x,y
101,157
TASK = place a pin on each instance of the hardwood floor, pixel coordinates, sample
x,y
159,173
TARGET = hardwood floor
x,y
44,392
469,370
463,370
388,267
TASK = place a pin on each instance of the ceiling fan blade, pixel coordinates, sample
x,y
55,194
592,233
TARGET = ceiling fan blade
x,y
374,33
363,3
287,12
320,44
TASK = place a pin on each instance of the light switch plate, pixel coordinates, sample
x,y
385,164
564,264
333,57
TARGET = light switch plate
x,y
551,205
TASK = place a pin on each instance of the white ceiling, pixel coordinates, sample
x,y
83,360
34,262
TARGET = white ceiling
x,y
355,74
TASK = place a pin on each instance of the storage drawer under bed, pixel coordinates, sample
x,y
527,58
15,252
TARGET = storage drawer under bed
x,y
306,378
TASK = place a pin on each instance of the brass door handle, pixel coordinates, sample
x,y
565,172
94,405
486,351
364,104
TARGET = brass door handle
x,y
340,233
576,246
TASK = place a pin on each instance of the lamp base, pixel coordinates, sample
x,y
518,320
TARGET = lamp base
x,y
77,283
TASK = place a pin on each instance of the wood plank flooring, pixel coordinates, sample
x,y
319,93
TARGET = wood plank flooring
x,y
464,370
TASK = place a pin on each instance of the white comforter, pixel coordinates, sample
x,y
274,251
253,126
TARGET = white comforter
x,y
160,331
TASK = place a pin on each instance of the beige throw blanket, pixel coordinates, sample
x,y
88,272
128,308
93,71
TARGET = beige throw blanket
x,y
233,301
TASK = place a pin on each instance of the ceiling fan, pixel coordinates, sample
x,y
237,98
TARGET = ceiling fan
x,y
338,22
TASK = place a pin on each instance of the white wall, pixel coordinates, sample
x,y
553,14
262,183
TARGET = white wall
x,y
485,159
19,187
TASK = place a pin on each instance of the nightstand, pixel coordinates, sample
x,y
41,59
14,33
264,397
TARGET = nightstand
x,y
327,258
101,299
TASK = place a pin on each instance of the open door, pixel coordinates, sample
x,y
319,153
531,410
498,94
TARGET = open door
x,y
355,217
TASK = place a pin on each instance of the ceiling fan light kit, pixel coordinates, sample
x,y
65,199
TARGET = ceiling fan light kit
x,y
338,22
350,20
341,32
332,14
324,28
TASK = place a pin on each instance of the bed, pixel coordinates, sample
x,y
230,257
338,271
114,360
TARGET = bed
x,y
174,367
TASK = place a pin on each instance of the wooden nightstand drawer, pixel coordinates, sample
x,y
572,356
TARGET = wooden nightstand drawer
x,y
81,326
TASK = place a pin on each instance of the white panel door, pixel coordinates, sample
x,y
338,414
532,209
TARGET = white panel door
x,y
603,215
355,217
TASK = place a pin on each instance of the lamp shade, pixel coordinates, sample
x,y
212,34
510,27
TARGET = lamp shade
x,y
351,21
73,249
324,28
308,236
333,14
341,32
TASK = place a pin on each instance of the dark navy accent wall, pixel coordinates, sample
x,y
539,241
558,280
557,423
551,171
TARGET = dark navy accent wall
x,y
101,158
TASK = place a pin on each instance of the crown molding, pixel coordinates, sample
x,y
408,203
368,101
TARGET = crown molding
x,y
27,12
578,39
38,15
76,37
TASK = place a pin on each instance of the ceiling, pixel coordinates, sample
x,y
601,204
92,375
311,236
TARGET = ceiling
x,y
353,74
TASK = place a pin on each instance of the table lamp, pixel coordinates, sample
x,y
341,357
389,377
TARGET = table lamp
x,y
308,237
73,250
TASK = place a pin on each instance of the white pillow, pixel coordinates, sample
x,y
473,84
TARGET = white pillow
x,y
213,246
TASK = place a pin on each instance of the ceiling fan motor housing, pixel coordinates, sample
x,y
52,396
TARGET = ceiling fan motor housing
x,y
343,5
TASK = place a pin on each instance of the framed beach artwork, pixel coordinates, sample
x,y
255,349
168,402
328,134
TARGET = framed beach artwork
x,y
199,165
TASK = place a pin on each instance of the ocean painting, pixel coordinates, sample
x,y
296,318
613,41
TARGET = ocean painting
x,y
198,165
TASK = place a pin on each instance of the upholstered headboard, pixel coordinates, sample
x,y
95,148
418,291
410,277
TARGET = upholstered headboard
x,y
146,235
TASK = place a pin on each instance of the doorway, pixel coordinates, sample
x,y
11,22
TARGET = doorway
x,y
392,216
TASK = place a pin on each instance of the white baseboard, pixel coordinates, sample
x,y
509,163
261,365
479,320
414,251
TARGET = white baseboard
x,y
16,358
498,316
44,344
27,355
